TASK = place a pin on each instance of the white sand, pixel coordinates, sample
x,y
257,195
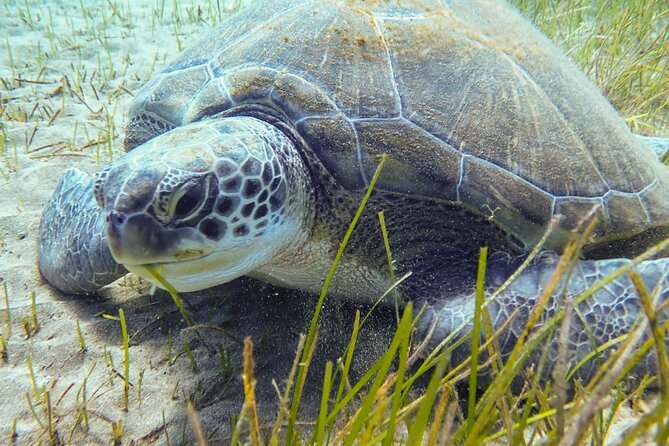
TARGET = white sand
x,y
104,56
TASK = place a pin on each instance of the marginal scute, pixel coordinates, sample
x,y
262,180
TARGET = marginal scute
x,y
656,198
624,212
250,84
252,15
516,205
299,98
143,127
409,148
292,95
168,97
576,211
138,104
334,141
209,101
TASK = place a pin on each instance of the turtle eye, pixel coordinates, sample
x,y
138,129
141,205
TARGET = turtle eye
x,y
188,199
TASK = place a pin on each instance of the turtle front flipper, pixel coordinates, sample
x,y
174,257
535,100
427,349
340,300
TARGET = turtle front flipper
x,y
73,254
610,312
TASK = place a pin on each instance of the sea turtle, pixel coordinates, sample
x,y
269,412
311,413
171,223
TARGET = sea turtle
x,y
249,154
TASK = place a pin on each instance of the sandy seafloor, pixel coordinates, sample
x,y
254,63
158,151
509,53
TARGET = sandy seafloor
x,y
68,78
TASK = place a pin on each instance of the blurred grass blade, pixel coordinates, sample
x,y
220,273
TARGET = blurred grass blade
x,y
476,338
302,374
403,331
419,423
172,291
349,356
325,396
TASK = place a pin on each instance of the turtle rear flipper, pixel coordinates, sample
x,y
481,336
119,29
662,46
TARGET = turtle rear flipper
x,y
73,254
609,313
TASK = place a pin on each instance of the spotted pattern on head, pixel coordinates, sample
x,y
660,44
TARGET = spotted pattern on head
x,y
252,193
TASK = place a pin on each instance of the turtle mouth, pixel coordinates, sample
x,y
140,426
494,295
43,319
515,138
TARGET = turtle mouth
x,y
196,273
187,255
178,261
182,258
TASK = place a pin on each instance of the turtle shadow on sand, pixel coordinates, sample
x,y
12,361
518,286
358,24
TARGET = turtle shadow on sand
x,y
274,318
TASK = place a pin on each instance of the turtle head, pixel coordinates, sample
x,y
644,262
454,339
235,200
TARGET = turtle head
x,y
207,202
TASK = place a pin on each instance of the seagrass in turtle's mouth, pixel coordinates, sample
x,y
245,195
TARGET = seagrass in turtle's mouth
x,y
180,259
196,273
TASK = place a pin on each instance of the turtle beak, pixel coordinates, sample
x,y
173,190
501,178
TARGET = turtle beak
x,y
139,239
133,239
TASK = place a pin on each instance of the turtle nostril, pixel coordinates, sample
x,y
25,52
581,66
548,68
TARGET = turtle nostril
x,y
116,218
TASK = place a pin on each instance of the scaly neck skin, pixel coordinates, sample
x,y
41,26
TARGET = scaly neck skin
x,y
299,208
